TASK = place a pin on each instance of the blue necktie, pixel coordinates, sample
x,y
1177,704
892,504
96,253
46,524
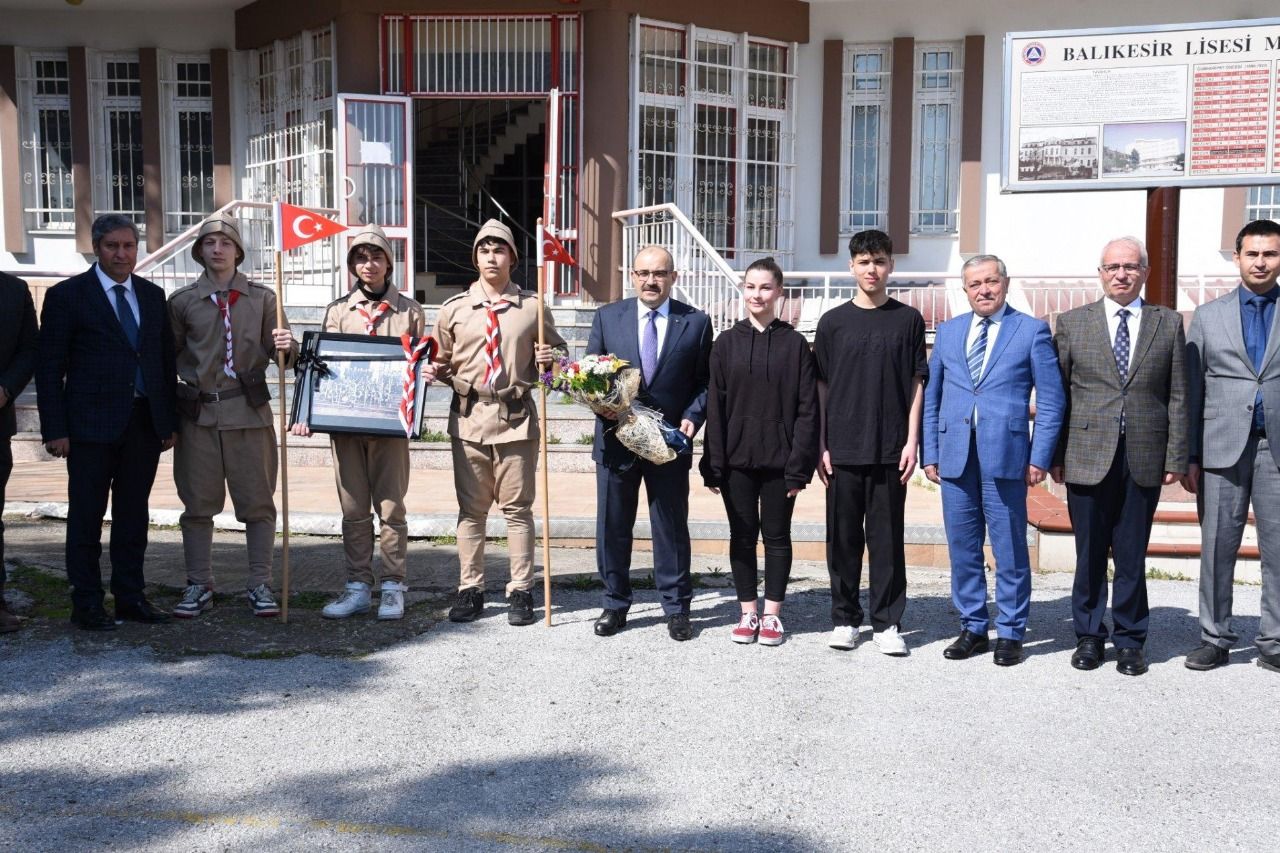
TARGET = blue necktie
x,y
649,348
979,350
130,326
1256,343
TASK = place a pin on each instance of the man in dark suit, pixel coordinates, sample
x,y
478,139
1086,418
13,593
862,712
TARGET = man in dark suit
x,y
17,360
671,343
1233,394
1123,368
105,388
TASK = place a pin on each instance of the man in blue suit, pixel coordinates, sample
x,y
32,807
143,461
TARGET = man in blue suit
x,y
978,448
105,382
671,344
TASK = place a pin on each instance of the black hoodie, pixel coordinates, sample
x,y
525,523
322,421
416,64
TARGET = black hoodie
x,y
762,405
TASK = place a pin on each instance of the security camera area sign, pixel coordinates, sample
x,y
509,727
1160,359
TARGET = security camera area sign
x,y
1176,105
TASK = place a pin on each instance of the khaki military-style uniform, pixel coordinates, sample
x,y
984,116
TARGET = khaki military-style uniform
x,y
231,445
494,430
373,469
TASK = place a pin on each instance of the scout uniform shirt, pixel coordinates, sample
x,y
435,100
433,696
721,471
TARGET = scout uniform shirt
x,y
403,316
200,341
504,413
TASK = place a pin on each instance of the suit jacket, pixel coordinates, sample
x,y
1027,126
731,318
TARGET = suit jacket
x,y
1222,384
679,387
17,345
1153,397
1021,358
86,369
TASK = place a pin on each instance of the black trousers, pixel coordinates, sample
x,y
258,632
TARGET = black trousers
x,y
874,496
757,505
124,471
6,468
1115,515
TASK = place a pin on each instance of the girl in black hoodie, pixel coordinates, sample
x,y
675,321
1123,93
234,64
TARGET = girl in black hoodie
x,y
761,444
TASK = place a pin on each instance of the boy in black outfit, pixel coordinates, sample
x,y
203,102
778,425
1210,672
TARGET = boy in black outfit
x,y
871,371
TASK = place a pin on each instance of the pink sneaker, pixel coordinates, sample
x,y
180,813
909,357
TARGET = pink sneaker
x,y
748,627
771,631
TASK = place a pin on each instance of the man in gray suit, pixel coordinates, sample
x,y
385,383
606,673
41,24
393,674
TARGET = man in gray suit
x,y
1233,383
1122,366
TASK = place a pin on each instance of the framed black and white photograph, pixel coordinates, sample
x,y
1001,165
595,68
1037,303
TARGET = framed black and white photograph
x,y
355,383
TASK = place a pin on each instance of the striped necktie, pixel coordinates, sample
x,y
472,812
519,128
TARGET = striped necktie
x,y
978,351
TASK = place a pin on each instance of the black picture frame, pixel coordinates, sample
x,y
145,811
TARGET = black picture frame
x,y
354,383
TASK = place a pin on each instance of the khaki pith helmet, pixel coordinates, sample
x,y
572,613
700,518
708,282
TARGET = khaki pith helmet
x,y
219,223
370,235
494,228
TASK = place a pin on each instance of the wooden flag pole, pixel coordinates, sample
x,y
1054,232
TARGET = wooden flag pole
x,y
542,441
284,435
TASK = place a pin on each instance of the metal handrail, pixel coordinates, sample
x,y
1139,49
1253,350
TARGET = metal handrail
x,y
678,215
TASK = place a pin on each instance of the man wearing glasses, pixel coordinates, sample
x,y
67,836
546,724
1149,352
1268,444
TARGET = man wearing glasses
x,y
1125,437
671,344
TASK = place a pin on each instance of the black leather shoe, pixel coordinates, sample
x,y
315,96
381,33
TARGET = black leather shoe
x,y
1130,662
678,627
611,621
1206,657
468,604
93,618
967,645
1008,652
140,611
1271,662
1089,653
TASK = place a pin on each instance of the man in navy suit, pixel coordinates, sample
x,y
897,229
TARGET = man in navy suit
x,y
105,388
978,447
671,344
17,360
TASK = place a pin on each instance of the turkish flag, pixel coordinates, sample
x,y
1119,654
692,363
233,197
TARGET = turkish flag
x,y
299,226
553,250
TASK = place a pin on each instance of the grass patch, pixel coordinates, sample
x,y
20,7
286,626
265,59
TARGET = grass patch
x,y
432,435
1162,575
585,438
309,599
443,540
50,593
584,583
554,439
644,582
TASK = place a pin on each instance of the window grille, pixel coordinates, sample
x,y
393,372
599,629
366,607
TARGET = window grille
x,y
864,166
936,136
45,96
117,133
187,109
1263,203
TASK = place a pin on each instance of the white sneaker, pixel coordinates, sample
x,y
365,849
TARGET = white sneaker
x,y
354,599
890,642
392,604
843,637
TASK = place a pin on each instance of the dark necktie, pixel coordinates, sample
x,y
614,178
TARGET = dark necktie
x,y
979,350
1256,343
649,348
1121,346
130,326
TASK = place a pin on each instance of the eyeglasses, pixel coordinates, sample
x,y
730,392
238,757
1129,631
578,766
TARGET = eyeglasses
x,y
1112,269
658,274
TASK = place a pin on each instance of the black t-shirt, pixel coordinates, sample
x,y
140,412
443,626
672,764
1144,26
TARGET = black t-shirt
x,y
868,357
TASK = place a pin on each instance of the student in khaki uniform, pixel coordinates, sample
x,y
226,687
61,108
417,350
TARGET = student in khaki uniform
x,y
371,469
489,354
225,337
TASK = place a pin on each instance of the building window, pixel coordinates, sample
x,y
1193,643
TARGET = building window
x,y
1263,203
864,167
116,124
187,109
935,173
49,198
714,134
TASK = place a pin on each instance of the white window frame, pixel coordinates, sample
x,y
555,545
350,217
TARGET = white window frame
x,y
936,87
41,219
853,220
173,103
685,100
104,105
1262,202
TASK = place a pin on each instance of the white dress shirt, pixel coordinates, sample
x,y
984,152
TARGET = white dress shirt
x,y
664,311
129,296
975,328
1113,322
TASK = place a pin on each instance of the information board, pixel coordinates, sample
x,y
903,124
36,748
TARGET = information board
x,y
1126,108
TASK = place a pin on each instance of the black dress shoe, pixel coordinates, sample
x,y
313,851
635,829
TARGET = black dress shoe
x,y
1130,662
611,621
1008,652
1089,653
1206,657
92,618
678,626
1271,662
140,611
967,645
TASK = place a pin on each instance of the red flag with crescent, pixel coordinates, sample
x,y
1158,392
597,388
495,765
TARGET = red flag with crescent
x,y
299,226
553,250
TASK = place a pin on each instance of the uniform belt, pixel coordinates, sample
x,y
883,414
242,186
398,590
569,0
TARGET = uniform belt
x,y
225,394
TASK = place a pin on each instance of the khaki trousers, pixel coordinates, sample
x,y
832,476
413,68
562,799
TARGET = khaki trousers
x,y
208,462
372,470
485,474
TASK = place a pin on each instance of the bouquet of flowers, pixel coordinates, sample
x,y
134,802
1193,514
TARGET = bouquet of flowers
x,y
607,385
